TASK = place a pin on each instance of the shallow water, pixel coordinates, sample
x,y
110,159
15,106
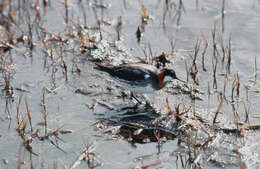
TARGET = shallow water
x,y
71,110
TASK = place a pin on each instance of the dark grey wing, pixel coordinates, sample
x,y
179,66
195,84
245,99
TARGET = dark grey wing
x,y
131,73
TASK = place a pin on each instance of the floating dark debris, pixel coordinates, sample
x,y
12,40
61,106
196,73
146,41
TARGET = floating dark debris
x,y
139,124
161,60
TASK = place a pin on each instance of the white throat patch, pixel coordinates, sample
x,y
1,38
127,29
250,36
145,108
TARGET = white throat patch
x,y
167,79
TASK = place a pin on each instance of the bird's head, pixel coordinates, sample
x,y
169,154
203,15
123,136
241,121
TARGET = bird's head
x,y
170,74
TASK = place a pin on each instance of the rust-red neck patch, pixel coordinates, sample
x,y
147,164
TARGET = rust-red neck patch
x,y
160,79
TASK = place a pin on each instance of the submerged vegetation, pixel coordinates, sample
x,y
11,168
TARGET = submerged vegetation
x,y
59,112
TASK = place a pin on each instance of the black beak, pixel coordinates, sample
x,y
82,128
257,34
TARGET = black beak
x,y
180,80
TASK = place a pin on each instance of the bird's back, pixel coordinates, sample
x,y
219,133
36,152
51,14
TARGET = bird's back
x,y
129,72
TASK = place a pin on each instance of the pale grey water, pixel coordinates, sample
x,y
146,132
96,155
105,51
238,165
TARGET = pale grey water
x,y
65,107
